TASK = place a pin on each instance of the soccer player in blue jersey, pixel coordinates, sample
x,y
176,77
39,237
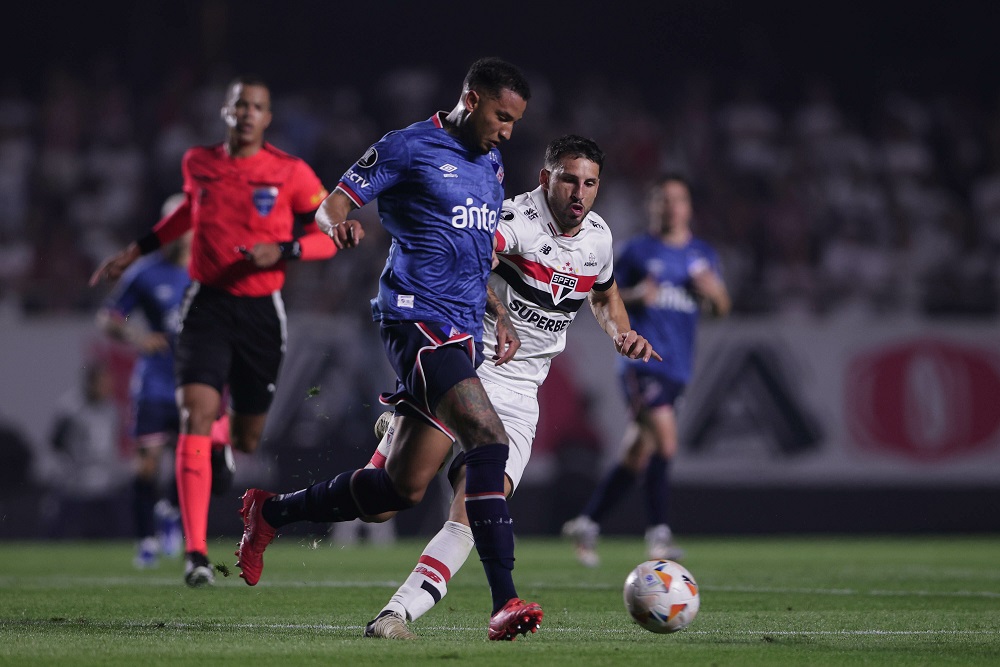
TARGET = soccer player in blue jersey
x,y
155,287
667,277
554,254
439,185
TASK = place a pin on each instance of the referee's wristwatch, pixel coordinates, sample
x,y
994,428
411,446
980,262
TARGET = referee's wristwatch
x,y
290,249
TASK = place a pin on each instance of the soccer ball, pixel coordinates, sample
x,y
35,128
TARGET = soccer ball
x,y
661,596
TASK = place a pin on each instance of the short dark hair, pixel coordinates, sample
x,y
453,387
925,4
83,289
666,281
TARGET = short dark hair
x,y
489,76
573,146
667,176
247,80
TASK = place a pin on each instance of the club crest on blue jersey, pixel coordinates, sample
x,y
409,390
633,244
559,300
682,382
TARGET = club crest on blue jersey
x,y
497,166
561,286
264,198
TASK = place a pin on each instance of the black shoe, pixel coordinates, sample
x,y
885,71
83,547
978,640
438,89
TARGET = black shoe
x,y
197,570
223,469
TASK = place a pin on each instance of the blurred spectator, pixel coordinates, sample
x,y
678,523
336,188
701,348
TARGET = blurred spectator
x,y
87,476
806,180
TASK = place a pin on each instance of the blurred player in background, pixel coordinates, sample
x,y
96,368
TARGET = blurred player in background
x,y
667,277
244,201
439,184
554,254
155,286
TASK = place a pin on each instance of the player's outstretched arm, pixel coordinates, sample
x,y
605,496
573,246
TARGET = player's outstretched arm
x,y
609,309
113,267
708,284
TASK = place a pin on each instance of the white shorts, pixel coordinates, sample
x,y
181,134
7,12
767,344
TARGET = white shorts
x,y
519,414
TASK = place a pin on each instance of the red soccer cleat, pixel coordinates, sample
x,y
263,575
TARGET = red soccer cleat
x,y
257,534
517,617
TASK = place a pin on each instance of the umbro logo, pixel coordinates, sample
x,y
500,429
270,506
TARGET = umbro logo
x,y
449,170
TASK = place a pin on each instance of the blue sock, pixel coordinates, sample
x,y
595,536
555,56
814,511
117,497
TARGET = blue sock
x,y
610,490
489,517
345,497
143,500
657,489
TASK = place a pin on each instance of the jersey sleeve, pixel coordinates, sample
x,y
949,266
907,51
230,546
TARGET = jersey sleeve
x,y
383,165
307,190
705,259
606,276
506,233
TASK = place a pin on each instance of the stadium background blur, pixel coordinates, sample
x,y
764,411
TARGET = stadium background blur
x,y
845,159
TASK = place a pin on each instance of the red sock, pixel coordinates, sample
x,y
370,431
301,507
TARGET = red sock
x,y
220,432
194,488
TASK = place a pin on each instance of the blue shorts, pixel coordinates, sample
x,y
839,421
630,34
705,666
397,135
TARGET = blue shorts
x,y
645,388
429,359
154,421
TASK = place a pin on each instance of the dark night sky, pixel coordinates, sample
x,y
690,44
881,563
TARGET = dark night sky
x,y
861,46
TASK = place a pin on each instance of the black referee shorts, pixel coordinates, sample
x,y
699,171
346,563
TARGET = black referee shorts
x,y
234,340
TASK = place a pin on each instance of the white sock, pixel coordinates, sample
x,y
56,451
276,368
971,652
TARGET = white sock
x,y
443,556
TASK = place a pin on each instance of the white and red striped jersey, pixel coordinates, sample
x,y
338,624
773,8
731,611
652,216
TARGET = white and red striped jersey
x,y
543,279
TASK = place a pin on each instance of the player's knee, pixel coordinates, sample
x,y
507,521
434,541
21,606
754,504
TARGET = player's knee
x,y
409,496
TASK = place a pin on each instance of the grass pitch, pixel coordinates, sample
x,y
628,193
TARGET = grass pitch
x,y
765,601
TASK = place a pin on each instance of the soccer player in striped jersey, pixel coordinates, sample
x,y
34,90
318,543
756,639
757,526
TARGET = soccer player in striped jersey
x,y
439,184
667,277
251,209
554,254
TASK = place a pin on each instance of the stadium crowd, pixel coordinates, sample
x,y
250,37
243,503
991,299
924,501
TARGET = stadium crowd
x,y
891,204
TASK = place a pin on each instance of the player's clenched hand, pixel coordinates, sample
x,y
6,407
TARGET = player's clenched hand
x,y
632,345
112,268
507,339
346,234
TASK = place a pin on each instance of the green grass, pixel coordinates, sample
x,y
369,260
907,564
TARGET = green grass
x,y
765,601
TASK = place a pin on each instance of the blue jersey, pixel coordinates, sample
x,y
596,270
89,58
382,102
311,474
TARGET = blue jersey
x,y
670,323
155,286
440,203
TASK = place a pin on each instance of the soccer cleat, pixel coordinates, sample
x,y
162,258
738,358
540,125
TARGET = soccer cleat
x,y
257,534
383,423
197,570
660,544
223,469
583,531
517,617
388,625
145,553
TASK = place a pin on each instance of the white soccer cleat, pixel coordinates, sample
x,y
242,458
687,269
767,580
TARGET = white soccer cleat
x,y
583,531
388,625
146,553
660,544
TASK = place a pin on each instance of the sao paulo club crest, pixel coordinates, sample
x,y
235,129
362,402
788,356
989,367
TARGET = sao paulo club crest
x,y
561,286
